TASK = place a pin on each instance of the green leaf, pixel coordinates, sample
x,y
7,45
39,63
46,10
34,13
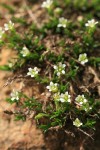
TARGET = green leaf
x,y
5,68
45,127
20,117
41,115
10,101
8,7
56,122
90,123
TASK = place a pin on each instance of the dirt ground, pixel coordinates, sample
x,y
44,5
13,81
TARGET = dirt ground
x,y
19,135
15,135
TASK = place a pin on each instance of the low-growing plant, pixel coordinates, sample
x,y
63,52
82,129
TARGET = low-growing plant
x,y
59,67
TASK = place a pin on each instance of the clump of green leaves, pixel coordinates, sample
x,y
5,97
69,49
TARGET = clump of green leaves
x,y
56,56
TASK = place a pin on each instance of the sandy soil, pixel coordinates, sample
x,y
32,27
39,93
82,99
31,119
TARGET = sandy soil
x,y
15,134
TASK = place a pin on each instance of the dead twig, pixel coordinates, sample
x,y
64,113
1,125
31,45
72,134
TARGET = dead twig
x,y
86,133
11,80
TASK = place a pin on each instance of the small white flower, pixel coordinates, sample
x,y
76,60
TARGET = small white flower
x,y
47,4
10,64
65,97
1,32
91,23
56,96
25,52
83,58
84,104
81,99
77,123
15,95
57,10
59,69
53,87
62,22
33,72
9,26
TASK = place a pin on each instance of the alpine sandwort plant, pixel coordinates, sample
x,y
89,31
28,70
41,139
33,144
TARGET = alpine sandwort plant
x,y
47,4
62,22
91,26
57,57
91,23
83,58
33,72
9,26
65,97
25,52
59,69
15,95
53,87
77,123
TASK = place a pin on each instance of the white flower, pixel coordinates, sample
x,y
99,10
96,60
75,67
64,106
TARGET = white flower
x,y
80,99
33,72
15,95
84,104
1,32
53,87
56,96
65,97
62,22
9,26
91,23
25,52
57,10
60,69
10,64
83,58
77,123
47,4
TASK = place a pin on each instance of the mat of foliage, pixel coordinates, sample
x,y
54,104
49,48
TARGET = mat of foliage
x,y
57,63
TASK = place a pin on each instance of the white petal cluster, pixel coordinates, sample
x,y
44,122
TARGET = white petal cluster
x,y
53,87
33,72
83,58
47,4
59,69
77,123
57,10
91,23
63,97
62,22
15,95
56,96
81,100
25,52
10,64
9,25
1,32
